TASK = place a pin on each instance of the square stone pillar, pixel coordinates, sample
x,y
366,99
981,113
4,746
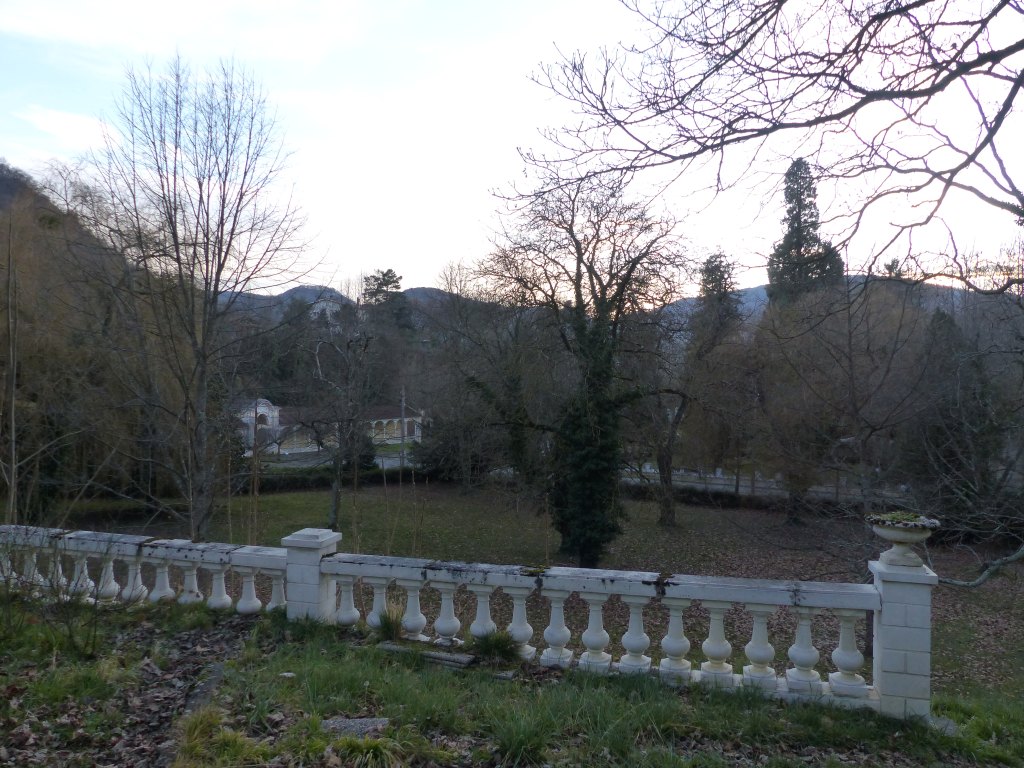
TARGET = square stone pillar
x,y
309,594
903,639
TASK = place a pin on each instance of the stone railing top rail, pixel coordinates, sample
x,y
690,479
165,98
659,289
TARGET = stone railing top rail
x,y
122,545
810,594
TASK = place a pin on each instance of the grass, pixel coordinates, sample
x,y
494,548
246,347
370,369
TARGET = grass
x,y
203,740
583,719
495,648
390,626
418,520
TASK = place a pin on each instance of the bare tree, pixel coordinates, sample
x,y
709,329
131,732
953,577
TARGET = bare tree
x,y
345,373
587,256
184,189
908,105
497,384
905,100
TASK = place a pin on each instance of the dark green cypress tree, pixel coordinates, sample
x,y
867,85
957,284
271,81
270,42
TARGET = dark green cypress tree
x,y
802,261
585,504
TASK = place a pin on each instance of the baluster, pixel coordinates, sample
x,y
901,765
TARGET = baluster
x,y
162,583
675,645
847,658
556,634
716,671
219,598
482,624
134,590
55,580
447,625
190,588
802,676
519,628
108,588
595,638
7,573
635,641
30,576
81,585
248,603
761,653
277,595
348,614
380,598
413,620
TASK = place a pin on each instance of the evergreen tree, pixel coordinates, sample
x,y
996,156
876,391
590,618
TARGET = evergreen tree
x,y
380,287
382,291
802,261
718,309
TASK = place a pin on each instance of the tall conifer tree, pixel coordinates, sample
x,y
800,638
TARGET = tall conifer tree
x,y
802,261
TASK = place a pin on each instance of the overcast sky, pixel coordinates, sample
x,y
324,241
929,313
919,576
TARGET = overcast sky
x,y
402,115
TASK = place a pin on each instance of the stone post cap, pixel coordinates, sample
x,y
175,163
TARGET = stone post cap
x,y
311,538
919,574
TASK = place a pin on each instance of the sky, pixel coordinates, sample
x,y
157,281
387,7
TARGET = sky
x,y
402,117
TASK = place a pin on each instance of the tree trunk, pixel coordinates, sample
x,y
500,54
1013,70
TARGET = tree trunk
x,y
666,491
336,484
12,380
202,466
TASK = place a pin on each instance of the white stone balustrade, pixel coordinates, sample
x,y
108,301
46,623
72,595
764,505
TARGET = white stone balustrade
x,y
321,583
759,598
131,558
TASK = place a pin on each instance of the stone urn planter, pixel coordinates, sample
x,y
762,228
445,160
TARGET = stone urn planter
x,y
903,530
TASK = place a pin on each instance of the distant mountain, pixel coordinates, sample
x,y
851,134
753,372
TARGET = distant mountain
x,y
425,295
948,298
272,306
319,298
752,303
422,299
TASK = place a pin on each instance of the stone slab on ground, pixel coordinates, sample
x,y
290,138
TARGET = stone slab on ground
x,y
444,658
355,726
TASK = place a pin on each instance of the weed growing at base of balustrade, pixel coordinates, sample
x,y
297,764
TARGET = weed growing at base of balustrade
x,y
390,622
496,648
